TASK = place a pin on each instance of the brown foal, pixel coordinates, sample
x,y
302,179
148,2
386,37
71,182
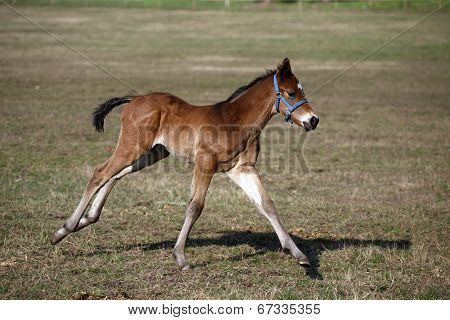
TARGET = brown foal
x,y
217,138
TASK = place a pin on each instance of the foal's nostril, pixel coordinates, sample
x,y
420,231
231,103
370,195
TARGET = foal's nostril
x,y
307,126
314,122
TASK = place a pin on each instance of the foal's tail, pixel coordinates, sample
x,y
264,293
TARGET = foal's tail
x,y
99,114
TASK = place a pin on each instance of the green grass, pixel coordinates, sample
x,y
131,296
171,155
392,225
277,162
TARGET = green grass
x,y
368,200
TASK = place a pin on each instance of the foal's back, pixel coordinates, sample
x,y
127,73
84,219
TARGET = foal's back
x,y
184,129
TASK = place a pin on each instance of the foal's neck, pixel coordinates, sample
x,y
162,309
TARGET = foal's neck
x,y
254,107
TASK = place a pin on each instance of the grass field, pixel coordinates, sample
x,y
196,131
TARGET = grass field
x,y
367,198
414,5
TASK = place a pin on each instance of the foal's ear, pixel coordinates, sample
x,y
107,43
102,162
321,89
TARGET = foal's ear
x,y
284,69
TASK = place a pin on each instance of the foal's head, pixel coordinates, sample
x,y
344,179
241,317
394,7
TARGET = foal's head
x,y
292,91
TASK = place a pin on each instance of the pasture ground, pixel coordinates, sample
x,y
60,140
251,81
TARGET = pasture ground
x,y
368,200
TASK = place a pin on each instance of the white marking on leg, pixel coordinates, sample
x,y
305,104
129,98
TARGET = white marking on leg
x,y
158,140
78,217
99,199
249,183
122,173
104,192
73,220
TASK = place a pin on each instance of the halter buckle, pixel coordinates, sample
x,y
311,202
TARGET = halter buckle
x,y
287,116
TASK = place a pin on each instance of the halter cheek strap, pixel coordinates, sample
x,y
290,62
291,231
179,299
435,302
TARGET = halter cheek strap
x,y
291,108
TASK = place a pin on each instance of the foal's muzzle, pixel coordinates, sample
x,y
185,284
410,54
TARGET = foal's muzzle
x,y
312,124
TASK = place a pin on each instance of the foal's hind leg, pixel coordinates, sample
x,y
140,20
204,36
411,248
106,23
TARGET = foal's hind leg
x,y
100,177
156,154
248,179
93,214
71,223
125,154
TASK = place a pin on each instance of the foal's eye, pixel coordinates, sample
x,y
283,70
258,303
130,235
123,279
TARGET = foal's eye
x,y
291,94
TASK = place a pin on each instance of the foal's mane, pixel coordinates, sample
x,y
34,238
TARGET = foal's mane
x,y
242,89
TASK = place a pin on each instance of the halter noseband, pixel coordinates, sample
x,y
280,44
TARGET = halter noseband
x,y
291,108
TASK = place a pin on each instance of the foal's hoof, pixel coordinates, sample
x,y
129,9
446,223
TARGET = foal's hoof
x,y
304,262
58,236
300,257
185,267
55,239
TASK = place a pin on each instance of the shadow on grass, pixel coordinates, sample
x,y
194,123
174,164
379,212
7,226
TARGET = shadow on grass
x,y
267,241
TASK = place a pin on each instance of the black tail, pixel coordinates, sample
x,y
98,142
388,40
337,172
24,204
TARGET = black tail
x,y
99,114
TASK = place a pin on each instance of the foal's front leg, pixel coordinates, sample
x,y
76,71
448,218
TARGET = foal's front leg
x,y
248,179
205,168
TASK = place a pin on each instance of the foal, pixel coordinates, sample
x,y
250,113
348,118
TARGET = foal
x,y
217,138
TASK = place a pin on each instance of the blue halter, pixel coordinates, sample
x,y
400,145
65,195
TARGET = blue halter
x,y
291,108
